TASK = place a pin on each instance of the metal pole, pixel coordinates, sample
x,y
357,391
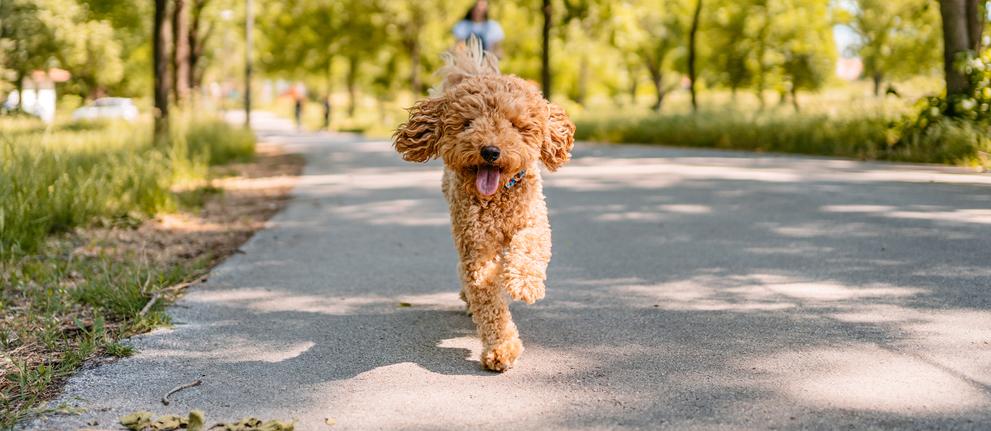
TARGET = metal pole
x,y
249,21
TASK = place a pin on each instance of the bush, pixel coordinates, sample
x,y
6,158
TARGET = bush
x,y
866,137
53,180
806,134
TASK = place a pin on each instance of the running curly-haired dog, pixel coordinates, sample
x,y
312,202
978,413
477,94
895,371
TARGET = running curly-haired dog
x,y
492,131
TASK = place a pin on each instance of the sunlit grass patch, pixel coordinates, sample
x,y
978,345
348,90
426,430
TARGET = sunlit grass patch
x,y
54,179
63,299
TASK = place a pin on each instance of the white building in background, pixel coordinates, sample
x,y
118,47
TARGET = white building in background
x,y
849,69
39,94
39,102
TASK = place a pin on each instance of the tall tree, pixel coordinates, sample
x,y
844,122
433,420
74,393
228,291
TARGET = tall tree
x,y
200,31
30,42
583,23
160,55
360,40
730,39
896,39
659,41
131,22
804,47
180,51
545,53
963,27
692,43
411,20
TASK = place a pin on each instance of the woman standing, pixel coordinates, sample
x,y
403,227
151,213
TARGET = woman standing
x,y
476,22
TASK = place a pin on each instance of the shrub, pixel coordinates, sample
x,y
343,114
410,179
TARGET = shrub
x,y
865,137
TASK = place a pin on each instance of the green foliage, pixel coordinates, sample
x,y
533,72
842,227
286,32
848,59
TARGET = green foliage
x,y
897,39
78,174
28,41
955,125
47,33
56,178
804,40
975,106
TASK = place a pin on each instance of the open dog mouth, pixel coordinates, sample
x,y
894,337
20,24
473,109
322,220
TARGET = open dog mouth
x,y
487,179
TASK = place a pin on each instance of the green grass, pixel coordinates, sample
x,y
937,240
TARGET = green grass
x,y
843,121
60,310
865,137
53,180
59,307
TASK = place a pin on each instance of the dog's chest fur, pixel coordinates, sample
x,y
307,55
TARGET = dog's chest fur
x,y
497,218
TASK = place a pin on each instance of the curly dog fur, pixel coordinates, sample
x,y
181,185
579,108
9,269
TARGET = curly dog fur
x,y
500,230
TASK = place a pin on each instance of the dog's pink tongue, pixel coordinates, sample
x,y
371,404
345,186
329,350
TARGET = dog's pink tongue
x,y
487,180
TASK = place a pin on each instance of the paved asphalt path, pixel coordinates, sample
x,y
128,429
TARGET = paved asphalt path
x,y
688,290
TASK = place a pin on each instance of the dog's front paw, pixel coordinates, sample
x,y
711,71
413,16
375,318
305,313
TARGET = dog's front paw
x,y
526,289
502,356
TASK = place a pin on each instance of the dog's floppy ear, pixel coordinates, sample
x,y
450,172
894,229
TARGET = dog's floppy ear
x,y
559,139
416,139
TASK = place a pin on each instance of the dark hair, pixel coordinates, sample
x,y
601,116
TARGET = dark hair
x,y
472,9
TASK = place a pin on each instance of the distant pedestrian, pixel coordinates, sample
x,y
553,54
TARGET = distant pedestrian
x,y
299,113
296,92
476,22
326,113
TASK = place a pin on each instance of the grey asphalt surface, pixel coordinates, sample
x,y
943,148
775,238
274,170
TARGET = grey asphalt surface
x,y
688,290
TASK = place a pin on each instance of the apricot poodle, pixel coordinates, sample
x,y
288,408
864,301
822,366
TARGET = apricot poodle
x,y
492,131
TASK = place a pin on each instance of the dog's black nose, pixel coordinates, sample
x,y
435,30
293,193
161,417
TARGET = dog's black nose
x,y
490,153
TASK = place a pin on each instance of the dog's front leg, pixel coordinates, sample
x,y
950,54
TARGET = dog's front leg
x,y
525,263
490,312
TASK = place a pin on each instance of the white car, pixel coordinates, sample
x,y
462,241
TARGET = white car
x,y
107,108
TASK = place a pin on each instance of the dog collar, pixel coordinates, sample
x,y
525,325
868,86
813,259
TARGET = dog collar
x,y
515,179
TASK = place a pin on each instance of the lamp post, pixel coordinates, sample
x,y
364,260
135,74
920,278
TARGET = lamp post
x,y
249,20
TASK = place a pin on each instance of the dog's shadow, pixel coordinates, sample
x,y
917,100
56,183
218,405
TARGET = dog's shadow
x,y
307,346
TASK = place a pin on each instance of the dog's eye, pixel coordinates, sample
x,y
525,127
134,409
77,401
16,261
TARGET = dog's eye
x,y
467,123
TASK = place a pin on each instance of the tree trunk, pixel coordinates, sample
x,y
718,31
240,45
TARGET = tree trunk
x,y
327,106
692,39
962,28
180,55
160,48
545,55
352,79
633,84
20,90
414,63
582,81
657,78
197,41
877,78
249,58
794,97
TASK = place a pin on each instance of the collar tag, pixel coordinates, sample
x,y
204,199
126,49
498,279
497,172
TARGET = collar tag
x,y
515,179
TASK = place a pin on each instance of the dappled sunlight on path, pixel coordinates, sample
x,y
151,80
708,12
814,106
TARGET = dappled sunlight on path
x,y
688,290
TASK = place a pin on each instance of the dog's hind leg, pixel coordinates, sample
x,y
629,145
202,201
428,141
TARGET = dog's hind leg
x,y
464,299
490,312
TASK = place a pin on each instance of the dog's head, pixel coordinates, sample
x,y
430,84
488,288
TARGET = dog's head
x,y
484,125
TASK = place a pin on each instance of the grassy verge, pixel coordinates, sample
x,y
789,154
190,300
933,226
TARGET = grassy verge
x,y
95,221
865,137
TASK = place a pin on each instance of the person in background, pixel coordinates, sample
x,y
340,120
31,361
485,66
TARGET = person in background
x,y
297,94
326,112
476,22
